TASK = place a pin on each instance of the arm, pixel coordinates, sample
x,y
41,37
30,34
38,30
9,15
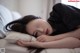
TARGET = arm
x,y
68,42
47,38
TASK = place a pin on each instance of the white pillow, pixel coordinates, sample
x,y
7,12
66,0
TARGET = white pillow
x,y
12,37
16,15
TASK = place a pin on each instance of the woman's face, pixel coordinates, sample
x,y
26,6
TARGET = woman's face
x,y
38,27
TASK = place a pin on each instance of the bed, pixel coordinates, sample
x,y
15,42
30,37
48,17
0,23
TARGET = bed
x,y
14,48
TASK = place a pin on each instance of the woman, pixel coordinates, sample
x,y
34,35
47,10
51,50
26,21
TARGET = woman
x,y
61,30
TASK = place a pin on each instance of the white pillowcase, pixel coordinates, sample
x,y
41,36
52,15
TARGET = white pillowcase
x,y
12,37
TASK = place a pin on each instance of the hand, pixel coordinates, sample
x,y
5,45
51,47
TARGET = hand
x,y
27,43
45,38
23,43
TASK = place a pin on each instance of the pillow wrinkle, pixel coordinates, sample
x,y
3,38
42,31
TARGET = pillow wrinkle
x,y
12,37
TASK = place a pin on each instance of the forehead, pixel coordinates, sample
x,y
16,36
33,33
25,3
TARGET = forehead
x,y
34,22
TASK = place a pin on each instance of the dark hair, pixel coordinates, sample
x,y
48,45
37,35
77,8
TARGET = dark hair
x,y
20,26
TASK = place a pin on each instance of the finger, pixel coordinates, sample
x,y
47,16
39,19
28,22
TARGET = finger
x,y
19,40
25,43
19,43
22,42
39,38
42,40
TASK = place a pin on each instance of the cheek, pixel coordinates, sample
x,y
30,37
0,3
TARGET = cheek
x,y
42,26
30,30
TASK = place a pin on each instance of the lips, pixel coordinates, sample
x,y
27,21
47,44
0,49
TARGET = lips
x,y
47,31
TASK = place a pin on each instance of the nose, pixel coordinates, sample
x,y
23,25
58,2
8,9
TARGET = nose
x,y
40,30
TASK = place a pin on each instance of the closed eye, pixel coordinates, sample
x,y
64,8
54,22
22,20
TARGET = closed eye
x,y
35,34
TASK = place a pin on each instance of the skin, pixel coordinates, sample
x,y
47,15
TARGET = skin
x,y
38,27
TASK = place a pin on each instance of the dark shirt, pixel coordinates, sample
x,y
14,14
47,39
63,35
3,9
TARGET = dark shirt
x,y
64,18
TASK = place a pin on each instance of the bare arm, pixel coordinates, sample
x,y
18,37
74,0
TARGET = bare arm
x,y
47,38
66,40
69,42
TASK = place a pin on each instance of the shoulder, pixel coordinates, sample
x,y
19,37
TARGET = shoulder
x,y
59,5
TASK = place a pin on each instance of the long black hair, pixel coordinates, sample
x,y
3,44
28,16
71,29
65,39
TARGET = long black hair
x,y
20,26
